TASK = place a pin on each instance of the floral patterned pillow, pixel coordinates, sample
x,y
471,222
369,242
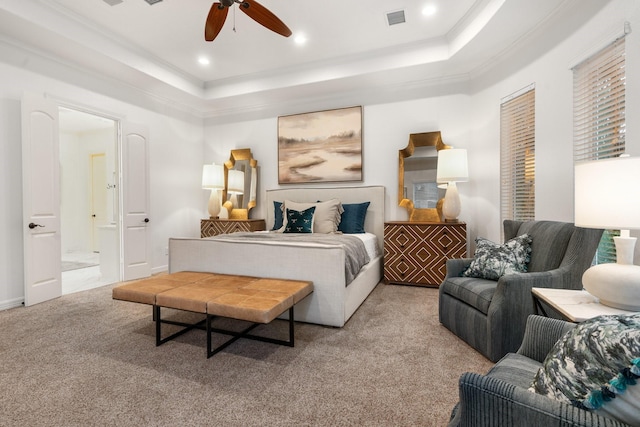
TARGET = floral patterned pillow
x,y
492,261
596,366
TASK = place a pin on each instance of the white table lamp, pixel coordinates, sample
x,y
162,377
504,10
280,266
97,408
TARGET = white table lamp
x,y
452,168
213,179
607,196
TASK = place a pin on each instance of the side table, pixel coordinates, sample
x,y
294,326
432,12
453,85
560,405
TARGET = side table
x,y
213,227
416,253
575,306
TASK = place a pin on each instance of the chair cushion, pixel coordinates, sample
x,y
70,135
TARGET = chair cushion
x,y
472,291
596,366
549,243
515,369
492,261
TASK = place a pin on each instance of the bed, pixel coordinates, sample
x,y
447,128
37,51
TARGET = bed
x,y
333,300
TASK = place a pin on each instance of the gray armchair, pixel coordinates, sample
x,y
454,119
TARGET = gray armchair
x,y
500,398
491,315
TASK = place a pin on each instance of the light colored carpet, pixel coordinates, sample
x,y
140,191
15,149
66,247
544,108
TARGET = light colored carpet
x,y
86,360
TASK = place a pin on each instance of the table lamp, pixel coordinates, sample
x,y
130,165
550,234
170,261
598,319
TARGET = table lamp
x,y
607,196
213,179
452,168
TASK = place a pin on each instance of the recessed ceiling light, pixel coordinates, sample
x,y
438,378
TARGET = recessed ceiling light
x,y
429,10
300,39
203,60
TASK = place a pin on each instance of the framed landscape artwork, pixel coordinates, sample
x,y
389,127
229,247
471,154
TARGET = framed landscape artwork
x,y
325,146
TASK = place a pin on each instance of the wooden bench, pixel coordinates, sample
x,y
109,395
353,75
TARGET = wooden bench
x,y
252,299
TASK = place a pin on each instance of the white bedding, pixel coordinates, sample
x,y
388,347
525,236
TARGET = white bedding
x,y
370,241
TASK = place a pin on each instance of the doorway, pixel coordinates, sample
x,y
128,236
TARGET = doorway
x,y
88,200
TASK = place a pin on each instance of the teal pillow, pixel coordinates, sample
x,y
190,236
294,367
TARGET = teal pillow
x,y
492,261
352,221
300,221
596,366
277,217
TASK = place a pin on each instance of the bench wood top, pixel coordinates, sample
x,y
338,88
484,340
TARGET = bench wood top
x,y
253,299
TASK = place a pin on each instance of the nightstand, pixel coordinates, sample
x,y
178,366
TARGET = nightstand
x,y
416,253
213,227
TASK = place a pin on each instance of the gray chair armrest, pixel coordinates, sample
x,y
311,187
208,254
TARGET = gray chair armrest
x,y
540,335
490,402
455,266
512,303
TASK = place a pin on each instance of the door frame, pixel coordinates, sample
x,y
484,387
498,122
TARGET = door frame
x,y
117,144
49,255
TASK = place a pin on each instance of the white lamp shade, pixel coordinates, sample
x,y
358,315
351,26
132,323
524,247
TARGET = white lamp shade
x,y
236,182
213,177
607,194
452,165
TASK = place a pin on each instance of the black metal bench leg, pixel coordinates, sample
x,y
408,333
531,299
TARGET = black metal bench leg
x,y
186,326
291,322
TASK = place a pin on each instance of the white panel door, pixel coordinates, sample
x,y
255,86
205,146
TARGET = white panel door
x,y
135,200
41,200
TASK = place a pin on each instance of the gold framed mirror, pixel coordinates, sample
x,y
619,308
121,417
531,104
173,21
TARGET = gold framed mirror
x,y
240,183
417,166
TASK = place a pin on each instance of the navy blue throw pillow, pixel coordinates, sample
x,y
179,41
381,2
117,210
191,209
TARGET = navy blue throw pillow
x,y
352,221
300,221
277,218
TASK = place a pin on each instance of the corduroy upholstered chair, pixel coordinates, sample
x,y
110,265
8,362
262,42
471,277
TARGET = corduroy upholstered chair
x,y
500,398
491,315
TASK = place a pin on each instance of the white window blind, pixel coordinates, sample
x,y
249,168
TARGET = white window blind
x,y
517,157
599,104
599,124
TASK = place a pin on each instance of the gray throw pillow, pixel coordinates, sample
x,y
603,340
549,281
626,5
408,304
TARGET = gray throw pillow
x,y
596,366
492,261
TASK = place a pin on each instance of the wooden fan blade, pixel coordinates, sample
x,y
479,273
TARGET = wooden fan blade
x,y
264,17
215,21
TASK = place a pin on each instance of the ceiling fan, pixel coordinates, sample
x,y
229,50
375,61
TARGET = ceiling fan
x,y
257,12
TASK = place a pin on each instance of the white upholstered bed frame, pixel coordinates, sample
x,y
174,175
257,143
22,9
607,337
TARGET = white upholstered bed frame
x,y
332,302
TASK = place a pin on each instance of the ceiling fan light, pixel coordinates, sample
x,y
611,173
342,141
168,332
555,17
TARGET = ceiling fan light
x,y
429,10
152,2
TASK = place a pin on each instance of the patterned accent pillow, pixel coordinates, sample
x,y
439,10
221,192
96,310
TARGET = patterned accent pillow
x,y
300,221
595,366
492,261
326,217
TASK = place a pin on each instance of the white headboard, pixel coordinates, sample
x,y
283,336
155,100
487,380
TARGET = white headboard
x,y
374,221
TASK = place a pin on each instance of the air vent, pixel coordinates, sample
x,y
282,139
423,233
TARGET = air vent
x,y
152,2
397,17
112,2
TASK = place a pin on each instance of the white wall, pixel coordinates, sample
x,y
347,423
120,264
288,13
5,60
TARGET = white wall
x,y
553,79
175,167
386,130
181,144
76,149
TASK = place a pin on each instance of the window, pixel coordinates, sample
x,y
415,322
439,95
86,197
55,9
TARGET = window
x,y
517,156
599,117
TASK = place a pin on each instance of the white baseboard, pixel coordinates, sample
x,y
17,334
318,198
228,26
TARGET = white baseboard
x,y
161,269
17,302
